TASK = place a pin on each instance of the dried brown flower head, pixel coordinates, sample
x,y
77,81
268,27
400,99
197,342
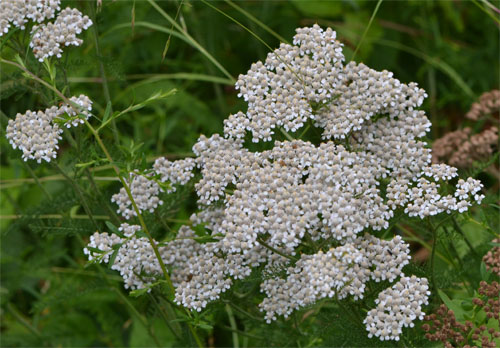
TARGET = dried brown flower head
x,y
443,326
488,102
492,259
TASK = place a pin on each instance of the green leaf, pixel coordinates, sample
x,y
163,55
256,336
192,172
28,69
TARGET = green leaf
x,y
206,239
200,230
95,250
165,50
139,292
114,229
18,59
454,305
205,326
113,257
84,165
485,274
107,112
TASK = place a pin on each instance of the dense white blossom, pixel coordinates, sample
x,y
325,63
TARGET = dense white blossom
x,y
338,273
146,187
176,172
37,133
397,307
308,208
49,39
18,12
76,117
145,192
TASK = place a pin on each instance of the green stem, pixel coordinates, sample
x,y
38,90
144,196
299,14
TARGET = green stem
x,y
122,180
366,30
134,205
241,310
433,253
305,131
191,40
104,79
143,224
256,21
36,78
423,243
134,311
243,333
32,173
285,133
254,35
267,246
232,321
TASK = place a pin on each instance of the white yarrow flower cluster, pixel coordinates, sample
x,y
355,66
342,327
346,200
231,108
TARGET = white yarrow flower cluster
x,y
37,133
397,307
48,39
177,172
261,207
340,272
18,12
145,192
146,187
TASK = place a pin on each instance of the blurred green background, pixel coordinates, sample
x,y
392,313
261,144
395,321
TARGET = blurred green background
x,y
451,48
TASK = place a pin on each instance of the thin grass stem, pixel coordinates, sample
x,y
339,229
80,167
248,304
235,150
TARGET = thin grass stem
x,y
366,29
190,39
256,21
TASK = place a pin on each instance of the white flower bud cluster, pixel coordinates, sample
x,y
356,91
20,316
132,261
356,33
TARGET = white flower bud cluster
x,y
145,191
177,172
218,159
205,275
308,81
425,200
104,242
77,117
17,12
48,39
135,258
265,208
397,307
280,91
340,272
37,133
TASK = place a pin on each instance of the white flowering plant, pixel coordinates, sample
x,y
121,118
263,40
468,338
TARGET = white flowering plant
x,y
298,220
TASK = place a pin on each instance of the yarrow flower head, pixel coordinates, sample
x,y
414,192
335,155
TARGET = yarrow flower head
x,y
397,307
48,39
37,133
17,13
261,207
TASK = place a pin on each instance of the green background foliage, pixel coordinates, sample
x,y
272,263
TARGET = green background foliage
x,y
50,297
